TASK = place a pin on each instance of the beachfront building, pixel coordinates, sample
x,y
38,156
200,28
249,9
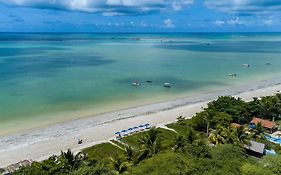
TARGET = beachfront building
x,y
268,125
256,149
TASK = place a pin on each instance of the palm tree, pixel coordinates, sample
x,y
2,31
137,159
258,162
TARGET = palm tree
x,y
226,133
119,164
191,136
218,136
258,132
207,119
180,120
150,144
253,108
71,161
129,153
199,142
270,106
242,138
179,143
2,170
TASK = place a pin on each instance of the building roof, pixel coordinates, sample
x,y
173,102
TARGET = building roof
x,y
256,147
265,123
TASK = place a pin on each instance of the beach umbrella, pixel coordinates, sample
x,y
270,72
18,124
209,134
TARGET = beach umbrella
x,y
118,133
146,125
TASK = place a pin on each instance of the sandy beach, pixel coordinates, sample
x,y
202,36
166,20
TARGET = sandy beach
x,y
38,144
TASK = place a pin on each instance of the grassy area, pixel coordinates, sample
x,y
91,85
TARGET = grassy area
x,y
132,140
102,151
181,128
106,150
167,138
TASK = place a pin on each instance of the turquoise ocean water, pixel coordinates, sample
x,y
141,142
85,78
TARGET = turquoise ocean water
x,y
48,78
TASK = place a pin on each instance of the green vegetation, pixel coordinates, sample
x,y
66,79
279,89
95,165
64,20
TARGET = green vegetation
x,y
267,165
205,144
102,151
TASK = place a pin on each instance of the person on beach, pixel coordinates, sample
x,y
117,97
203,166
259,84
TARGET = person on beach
x,y
80,142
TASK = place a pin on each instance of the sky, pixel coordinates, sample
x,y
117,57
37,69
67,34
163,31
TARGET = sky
x,y
140,16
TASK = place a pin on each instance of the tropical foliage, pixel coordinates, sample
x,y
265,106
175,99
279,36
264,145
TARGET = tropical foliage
x,y
205,144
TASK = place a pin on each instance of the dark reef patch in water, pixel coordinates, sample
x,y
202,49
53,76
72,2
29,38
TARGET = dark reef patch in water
x,y
227,46
45,66
10,51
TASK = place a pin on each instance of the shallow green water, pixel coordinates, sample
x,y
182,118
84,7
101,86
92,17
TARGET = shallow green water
x,y
44,74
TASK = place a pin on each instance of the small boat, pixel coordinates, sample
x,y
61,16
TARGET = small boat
x,y
149,81
136,84
167,85
232,74
268,64
246,65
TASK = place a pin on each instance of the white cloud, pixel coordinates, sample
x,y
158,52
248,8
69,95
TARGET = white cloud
x,y
237,21
143,24
233,21
180,4
268,22
219,22
271,21
245,7
169,23
107,7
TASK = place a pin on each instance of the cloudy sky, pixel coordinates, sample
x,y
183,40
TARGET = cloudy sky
x,y
140,15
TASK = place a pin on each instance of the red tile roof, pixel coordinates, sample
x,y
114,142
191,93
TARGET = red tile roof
x,y
265,123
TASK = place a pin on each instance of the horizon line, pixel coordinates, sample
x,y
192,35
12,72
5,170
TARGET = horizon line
x,y
131,32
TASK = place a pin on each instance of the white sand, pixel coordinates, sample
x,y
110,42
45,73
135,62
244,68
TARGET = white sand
x,y
39,144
